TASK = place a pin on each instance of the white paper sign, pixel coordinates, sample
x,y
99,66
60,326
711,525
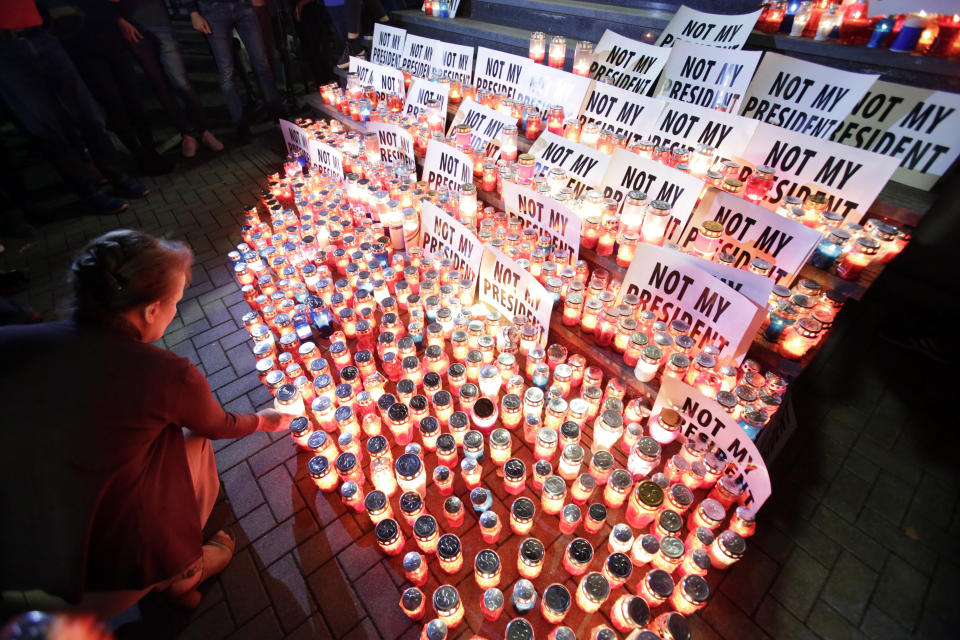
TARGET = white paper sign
x,y
715,30
627,64
675,290
441,233
544,214
851,178
295,138
688,125
802,96
326,158
751,231
630,172
423,91
620,110
752,285
919,127
447,167
889,7
419,55
499,72
485,125
542,87
454,61
706,421
396,143
388,45
385,80
585,166
511,290
701,75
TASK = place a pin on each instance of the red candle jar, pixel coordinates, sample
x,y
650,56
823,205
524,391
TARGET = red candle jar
x,y
577,557
412,603
492,604
426,534
453,510
490,527
389,537
555,603
570,517
629,612
530,558
522,512
415,568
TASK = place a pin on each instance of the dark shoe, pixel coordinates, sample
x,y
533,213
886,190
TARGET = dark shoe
x,y
244,135
103,204
353,49
130,188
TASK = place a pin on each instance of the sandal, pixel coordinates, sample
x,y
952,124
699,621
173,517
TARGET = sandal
x,y
217,552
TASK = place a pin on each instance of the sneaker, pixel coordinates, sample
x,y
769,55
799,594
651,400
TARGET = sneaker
x,y
210,141
130,188
104,204
244,135
189,146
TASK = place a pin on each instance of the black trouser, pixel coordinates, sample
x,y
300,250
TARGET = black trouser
x,y
314,34
354,8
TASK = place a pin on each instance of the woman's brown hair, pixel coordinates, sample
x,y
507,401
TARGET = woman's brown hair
x,y
124,269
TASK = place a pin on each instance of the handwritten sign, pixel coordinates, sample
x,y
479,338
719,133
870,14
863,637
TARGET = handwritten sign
x,y
544,214
752,285
802,96
388,45
620,111
584,165
751,231
542,86
629,172
485,125
919,127
688,125
511,290
701,75
627,64
705,420
454,61
295,138
447,167
326,158
499,72
419,55
385,80
423,91
674,290
715,30
396,143
850,178
441,233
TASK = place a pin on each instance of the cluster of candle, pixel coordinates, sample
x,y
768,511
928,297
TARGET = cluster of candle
x,y
437,8
556,55
930,34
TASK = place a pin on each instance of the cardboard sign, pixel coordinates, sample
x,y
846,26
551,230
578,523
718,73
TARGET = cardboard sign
x,y
485,125
499,72
889,7
447,167
423,91
628,172
627,64
295,138
689,125
544,214
585,166
919,127
701,75
751,231
454,61
328,159
851,178
396,143
542,87
441,233
802,96
620,110
419,55
715,30
752,285
706,421
387,47
673,289
385,80
511,290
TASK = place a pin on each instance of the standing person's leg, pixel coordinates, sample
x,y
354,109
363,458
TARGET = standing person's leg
x,y
147,53
220,17
354,47
248,26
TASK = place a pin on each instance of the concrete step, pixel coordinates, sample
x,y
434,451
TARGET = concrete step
x,y
465,31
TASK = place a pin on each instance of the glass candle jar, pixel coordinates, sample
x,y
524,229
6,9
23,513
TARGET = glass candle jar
x,y
555,603
491,604
546,445
577,557
389,537
538,46
644,549
607,430
620,539
514,476
524,596
522,512
671,626
670,554
436,629
377,506
592,592
649,363
743,521
449,553
447,604
490,527
596,517
530,558
486,569
695,563
644,503
727,548
553,494
570,517
411,475
453,511
541,471
858,258
582,488
655,587
323,475
629,612
617,569
644,457
570,461
617,490
558,52
471,471
665,427
412,601
690,595
655,220
426,533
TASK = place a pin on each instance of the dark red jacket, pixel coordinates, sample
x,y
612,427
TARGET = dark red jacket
x,y
96,492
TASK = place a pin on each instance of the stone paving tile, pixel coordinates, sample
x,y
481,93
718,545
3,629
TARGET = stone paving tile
x,y
246,597
890,497
900,591
729,622
335,597
242,448
380,597
254,524
315,628
288,591
212,625
749,580
849,587
774,618
281,494
263,627
847,493
879,626
283,538
799,583
242,489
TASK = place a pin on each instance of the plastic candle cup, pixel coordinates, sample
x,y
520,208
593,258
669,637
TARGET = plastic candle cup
x,y
323,475
670,554
690,595
909,35
743,522
592,592
415,568
389,537
426,534
629,612
530,558
643,504
644,549
553,494
449,553
411,506
541,470
447,451
522,512
412,603
514,476
555,603
490,527
655,222
617,490
447,604
538,46
411,475
596,517
492,604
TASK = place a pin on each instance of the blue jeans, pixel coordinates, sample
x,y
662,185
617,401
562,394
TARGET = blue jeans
x,y
46,96
223,18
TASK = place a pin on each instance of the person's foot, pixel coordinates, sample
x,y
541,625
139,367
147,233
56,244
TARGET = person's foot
x,y
244,135
104,204
217,552
189,146
130,188
210,141
353,48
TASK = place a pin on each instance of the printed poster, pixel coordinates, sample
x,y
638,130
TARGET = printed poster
x,y
443,234
715,30
699,74
688,125
546,215
542,87
513,291
485,125
627,64
620,111
585,166
385,80
396,143
423,91
447,167
388,45
499,72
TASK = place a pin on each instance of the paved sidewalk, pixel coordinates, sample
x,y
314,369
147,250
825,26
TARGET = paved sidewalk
x,y
857,541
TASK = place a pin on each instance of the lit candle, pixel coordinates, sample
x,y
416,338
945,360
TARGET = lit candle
x,y
492,604
415,568
389,537
558,52
538,45
449,553
522,512
592,592
447,604
412,601
426,534
582,58
490,527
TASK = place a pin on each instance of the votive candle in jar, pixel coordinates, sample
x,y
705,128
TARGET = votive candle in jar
x,y
377,506
558,52
617,490
570,517
629,612
514,476
426,533
443,479
644,549
858,258
743,521
411,475
508,143
530,558
450,553
655,220
679,497
323,475
607,430
538,46
596,517
541,471
553,494
486,569
592,592
617,569
471,471
412,602
522,512
524,596
620,539
727,548
533,124
490,527
415,568
577,557
655,587
411,506
436,629
525,166
447,604
546,446
389,537
699,538
644,503
649,363
582,488
555,603
453,511
492,604
665,427
644,457
582,58
571,459
695,563
690,595
670,555
671,626
709,513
